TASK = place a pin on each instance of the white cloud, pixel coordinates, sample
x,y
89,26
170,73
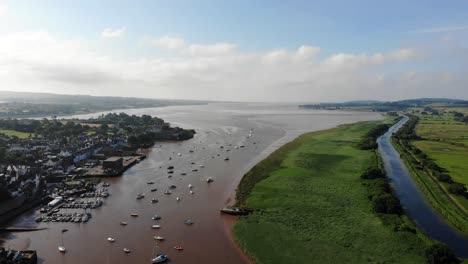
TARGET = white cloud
x,y
219,71
113,33
3,10
171,43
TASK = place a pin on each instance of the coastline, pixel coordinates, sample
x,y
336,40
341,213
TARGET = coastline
x,y
230,223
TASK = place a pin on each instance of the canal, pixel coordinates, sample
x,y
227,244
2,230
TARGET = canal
x,y
414,202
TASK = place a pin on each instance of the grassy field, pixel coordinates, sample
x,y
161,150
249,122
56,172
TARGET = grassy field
x,y
445,141
15,133
312,207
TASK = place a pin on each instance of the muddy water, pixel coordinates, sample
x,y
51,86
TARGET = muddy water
x,y
206,241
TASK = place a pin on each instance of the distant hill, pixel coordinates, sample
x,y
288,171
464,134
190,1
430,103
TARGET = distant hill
x,y
388,105
24,104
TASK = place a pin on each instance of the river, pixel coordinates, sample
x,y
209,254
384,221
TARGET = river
x,y
414,202
207,240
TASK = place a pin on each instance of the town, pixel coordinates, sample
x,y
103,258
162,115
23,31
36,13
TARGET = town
x,y
57,163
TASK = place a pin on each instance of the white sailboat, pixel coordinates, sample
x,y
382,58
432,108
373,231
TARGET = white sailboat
x,y
158,258
62,248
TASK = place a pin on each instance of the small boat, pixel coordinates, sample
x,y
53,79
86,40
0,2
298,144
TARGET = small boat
x,y
209,179
234,211
172,186
194,170
177,198
153,190
190,186
123,223
64,230
226,159
155,226
159,238
178,248
150,182
154,200
167,192
160,258
126,250
134,214
202,166
62,249
156,217
191,192
140,196
110,239
170,167
188,222
183,174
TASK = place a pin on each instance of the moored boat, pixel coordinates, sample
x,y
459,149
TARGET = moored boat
x,y
234,211
62,249
160,258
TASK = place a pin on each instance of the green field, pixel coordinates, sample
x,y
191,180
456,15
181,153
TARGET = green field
x,y
15,133
311,205
447,144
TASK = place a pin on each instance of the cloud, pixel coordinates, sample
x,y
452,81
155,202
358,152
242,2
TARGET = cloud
x,y
3,10
217,71
113,33
180,45
439,29
171,43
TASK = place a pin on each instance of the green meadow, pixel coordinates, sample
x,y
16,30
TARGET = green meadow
x,y
311,205
16,133
445,141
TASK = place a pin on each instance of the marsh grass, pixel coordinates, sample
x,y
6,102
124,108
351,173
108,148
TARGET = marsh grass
x,y
312,207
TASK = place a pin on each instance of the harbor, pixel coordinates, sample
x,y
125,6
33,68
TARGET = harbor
x,y
205,176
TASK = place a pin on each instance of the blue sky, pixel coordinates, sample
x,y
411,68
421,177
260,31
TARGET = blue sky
x,y
363,37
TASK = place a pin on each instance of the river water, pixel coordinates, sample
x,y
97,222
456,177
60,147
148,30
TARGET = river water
x,y
414,202
207,240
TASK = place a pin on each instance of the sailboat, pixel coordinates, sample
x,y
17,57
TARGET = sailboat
x,y
62,248
159,258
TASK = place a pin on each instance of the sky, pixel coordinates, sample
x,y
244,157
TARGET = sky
x,y
243,50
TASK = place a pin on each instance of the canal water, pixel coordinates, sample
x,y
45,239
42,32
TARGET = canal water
x,y
207,240
414,202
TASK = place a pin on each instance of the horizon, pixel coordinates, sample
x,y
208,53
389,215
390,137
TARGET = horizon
x,y
221,101
301,51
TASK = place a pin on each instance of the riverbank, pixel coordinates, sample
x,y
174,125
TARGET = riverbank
x,y
435,161
310,204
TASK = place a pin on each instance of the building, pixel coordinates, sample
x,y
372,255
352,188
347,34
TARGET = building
x,y
113,163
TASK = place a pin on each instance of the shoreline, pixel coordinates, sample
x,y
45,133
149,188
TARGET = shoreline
x,y
256,243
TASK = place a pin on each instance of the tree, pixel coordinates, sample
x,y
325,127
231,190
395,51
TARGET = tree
x,y
457,188
440,254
